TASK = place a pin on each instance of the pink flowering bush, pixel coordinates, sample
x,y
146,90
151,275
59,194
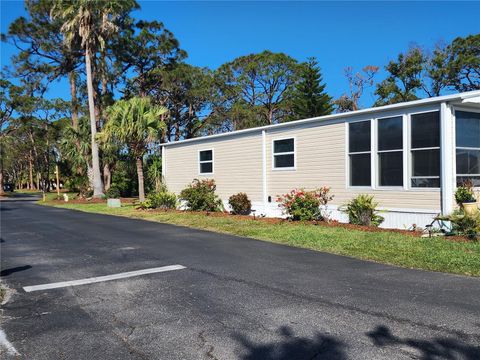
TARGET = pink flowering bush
x,y
240,204
200,196
303,205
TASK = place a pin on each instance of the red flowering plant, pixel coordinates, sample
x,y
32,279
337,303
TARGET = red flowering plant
x,y
303,205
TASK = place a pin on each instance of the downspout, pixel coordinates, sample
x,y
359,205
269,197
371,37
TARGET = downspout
x,y
264,171
447,149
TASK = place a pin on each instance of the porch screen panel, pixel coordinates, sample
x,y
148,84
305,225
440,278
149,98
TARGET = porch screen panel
x,y
390,151
425,150
467,133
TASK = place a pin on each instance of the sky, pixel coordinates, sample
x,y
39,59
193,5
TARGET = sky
x,y
339,34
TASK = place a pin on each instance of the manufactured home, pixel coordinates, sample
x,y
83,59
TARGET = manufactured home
x,y
410,156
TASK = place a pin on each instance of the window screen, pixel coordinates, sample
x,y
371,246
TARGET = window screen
x,y
467,134
390,151
359,153
425,149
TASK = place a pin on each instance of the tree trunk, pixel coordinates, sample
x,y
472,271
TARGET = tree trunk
x,y
74,115
107,177
73,94
97,177
19,178
177,131
2,192
90,175
31,185
141,190
46,156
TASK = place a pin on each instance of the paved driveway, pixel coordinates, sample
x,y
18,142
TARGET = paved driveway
x,y
236,298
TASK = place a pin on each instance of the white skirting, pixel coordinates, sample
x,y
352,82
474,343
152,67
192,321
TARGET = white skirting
x,y
394,218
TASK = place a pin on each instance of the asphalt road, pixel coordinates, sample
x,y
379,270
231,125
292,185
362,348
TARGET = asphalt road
x,y
237,298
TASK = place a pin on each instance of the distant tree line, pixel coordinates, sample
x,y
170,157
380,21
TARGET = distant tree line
x,y
123,71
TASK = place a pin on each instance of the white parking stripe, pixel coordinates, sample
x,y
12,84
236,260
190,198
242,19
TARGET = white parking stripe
x,y
103,278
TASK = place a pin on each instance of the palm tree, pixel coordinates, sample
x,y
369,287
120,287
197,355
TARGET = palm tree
x,y
92,22
154,173
135,123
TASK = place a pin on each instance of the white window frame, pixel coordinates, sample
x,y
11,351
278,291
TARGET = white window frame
x,y
378,152
410,150
348,162
294,153
464,109
206,161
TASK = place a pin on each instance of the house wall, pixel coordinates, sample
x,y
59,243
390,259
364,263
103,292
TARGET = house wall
x,y
237,165
321,160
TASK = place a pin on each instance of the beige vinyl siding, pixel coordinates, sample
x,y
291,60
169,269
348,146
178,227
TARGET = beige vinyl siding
x,y
237,165
321,160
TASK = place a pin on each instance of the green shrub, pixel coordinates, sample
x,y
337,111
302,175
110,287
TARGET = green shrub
x,y
125,176
144,205
163,200
112,193
160,200
465,225
200,196
465,193
86,193
240,204
77,183
303,205
362,210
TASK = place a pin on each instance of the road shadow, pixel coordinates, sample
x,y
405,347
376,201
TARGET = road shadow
x,y
436,348
10,271
320,346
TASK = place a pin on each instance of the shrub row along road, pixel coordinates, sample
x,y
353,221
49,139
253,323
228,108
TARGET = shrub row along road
x,y
236,299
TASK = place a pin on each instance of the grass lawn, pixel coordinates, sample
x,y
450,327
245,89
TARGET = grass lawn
x,y
436,254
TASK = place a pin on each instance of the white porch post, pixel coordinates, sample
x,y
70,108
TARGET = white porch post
x,y
264,171
164,163
447,153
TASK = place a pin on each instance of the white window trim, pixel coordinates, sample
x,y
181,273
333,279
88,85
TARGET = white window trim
x,y
464,109
206,161
378,152
410,157
348,153
406,153
294,152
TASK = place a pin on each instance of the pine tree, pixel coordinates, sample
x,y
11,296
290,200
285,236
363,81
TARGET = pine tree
x,y
310,98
